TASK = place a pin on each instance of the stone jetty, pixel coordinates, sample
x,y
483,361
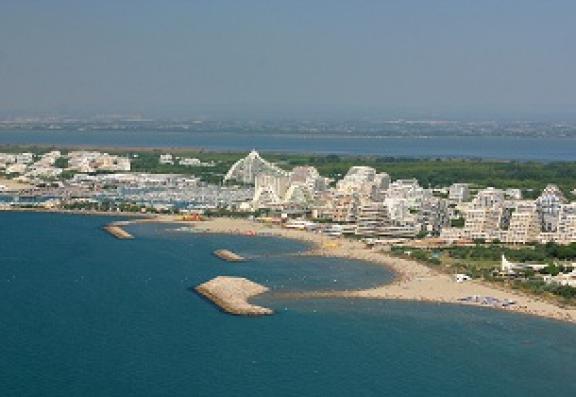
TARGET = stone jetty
x,y
229,256
231,294
118,232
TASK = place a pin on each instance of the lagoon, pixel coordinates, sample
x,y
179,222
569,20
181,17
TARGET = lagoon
x,y
502,148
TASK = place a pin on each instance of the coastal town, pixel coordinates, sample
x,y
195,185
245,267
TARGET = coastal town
x,y
363,202
256,198
394,214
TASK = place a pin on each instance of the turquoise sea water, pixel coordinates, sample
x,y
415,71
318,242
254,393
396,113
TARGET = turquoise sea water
x,y
84,314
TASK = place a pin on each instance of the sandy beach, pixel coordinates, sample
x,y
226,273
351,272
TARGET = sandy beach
x,y
413,281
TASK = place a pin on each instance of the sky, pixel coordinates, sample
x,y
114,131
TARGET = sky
x,y
171,57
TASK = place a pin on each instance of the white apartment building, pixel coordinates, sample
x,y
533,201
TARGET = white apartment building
x,y
459,192
482,223
87,162
246,169
489,198
566,230
25,158
345,207
309,177
270,189
371,217
524,226
549,204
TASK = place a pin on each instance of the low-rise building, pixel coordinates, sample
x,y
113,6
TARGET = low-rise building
x,y
166,159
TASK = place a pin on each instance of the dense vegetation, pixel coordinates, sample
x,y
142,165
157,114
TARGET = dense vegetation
x,y
531,177
62,162
539,287
148,162
538,253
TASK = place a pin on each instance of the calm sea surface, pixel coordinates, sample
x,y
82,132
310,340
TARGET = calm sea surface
x,y
84,314
544,149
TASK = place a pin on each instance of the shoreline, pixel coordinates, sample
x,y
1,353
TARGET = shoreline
x,y
412,281
81,212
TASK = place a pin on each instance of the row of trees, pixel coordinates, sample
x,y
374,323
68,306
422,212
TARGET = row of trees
x,y
540,287
493,252
529,176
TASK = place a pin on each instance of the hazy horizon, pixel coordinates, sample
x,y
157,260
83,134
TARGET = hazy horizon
x,y
453,59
